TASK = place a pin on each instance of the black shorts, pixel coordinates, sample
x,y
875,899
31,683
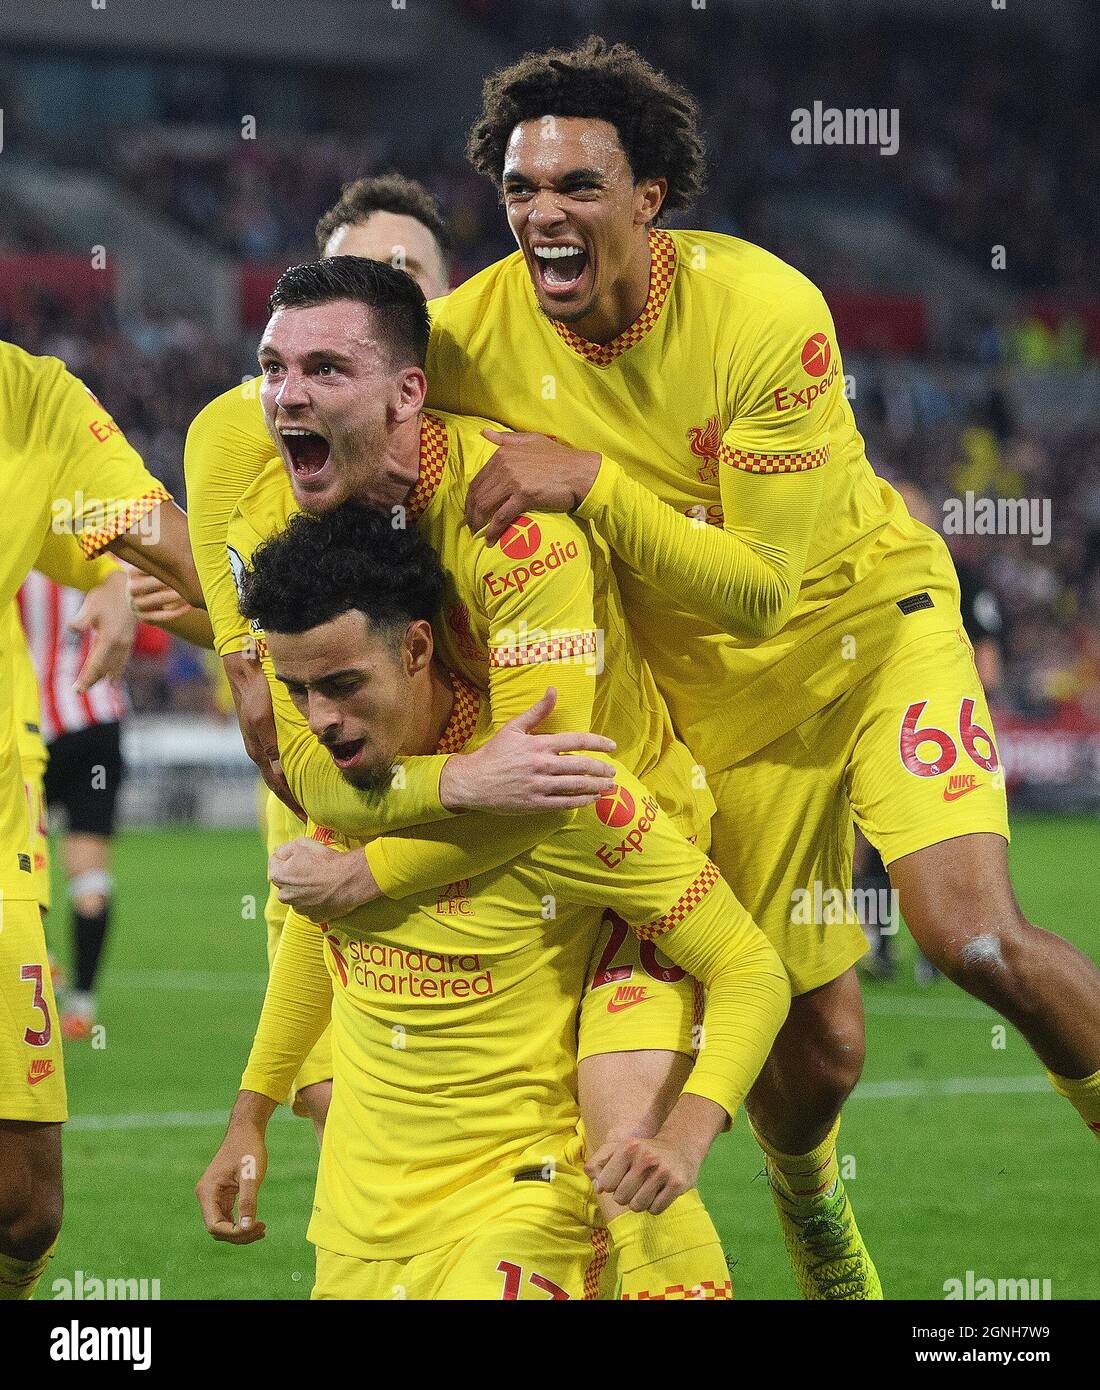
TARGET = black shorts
x,y
84,775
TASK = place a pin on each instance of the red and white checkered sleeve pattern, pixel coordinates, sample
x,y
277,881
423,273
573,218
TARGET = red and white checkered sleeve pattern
x,y
684,905
125,515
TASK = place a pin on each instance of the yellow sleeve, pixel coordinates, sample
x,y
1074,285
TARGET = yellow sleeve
x,y
748,993
62,559
542,632
226,450
629,856
471,844
540,612
296,1010
744,576
101,488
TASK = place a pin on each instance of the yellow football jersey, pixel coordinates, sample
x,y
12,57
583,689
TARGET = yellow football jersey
x,y
722,416
539,609
454,1016
65,468
726,400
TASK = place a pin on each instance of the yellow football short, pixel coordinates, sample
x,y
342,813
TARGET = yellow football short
x,y
35,790
282,825
32,1070
908,752
533,1246
635,998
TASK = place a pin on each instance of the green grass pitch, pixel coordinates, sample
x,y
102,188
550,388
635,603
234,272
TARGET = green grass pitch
x,y
958,1156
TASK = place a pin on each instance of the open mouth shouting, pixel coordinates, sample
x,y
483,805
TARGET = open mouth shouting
x,y
562,268
346,755
308,453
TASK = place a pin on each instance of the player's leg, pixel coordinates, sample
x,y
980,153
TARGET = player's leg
x,y
30,1203
928,787
32,1103
638,1029
87,870
783,839
958,902
84,777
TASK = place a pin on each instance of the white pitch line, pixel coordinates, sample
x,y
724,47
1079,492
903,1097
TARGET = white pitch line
x,y
917,1089
866,1090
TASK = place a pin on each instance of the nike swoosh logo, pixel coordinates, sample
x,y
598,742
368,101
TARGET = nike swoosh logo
x,y
616,1006
42,1075
954,796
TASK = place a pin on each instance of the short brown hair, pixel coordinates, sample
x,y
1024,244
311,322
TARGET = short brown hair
x,y
657,121
396,301
390,192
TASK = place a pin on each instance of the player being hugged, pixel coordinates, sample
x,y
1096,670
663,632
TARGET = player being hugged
x,y
452,1164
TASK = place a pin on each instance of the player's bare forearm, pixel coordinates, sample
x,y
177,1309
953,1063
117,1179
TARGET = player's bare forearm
x,y
154,602
649,1174
252,700
253,1108
163,550
320,883
693,1125
194,626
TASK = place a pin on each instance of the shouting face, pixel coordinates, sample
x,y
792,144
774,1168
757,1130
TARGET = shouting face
x,y
579,216
331,396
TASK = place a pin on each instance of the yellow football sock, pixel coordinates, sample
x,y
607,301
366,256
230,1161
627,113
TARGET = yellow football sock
x,y
828,1256
1083,1095
19,1278
803,1178
676,1255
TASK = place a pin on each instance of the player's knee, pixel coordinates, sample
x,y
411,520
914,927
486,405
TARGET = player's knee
x,y
30,1219
91,904
836,1065
988,958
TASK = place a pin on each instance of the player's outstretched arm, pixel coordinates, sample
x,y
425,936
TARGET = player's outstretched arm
x,y
744,576
710,935
160,546
634,860
746,573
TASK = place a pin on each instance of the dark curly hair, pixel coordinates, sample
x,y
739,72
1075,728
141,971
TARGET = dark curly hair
x,y
657,121
391,192
350,558
400,311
